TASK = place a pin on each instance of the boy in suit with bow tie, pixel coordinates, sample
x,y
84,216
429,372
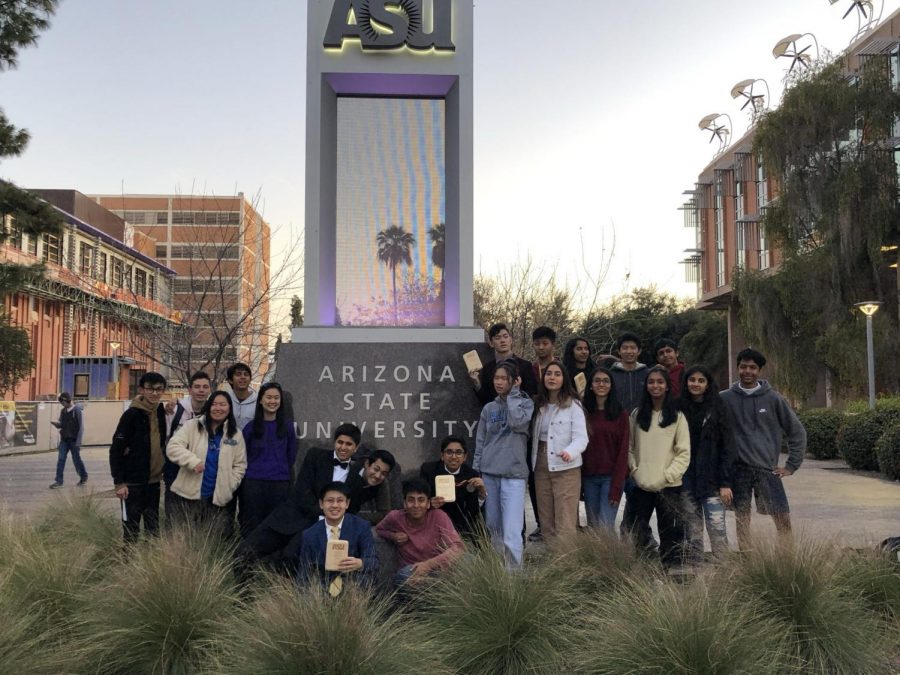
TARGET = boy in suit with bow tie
x,y
360,562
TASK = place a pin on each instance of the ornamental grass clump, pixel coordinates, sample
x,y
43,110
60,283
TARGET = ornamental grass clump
x,y
490,620
25,647
598,561
668,628
288,629
84,522
828,629
161,610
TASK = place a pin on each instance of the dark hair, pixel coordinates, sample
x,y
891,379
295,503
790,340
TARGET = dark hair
x,y
205,422
496,328
749,354
628,337
512,370
665,342
543,332
384,456
199,375
234,367
669,407
415,485
447,440
611,406
259,413
348,429
65,396
567,393
568,358
151,378
334,486
711,406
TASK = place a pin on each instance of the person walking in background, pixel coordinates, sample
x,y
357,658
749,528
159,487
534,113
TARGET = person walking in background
x,y
559,437
606,456
136,457
760,417
658,455
71,431
271,452
706,485
577,359
213,460
501,446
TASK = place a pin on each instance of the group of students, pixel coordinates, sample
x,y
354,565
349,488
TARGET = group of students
x,y
663,436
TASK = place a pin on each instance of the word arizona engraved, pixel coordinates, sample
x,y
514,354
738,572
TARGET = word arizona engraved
x,y
378,373
390,24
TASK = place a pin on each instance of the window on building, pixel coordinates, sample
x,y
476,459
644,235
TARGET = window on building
x,y
151,287
740,236
209,252
762,187
86,259
738,199
52,249
118,273
140,282
720,232
102,261
32,244
763,260
161,252
15,235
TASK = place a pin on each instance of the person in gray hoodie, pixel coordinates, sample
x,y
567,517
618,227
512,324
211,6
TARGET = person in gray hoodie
x,y
501,446
760,418
628,373
243,396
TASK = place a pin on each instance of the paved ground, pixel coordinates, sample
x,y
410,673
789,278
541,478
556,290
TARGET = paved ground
x,y
827,499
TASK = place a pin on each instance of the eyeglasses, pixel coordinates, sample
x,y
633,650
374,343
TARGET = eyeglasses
x,y
454,451
156,390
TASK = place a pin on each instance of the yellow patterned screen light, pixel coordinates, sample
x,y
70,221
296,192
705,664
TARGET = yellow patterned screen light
x,y
869,307
885,249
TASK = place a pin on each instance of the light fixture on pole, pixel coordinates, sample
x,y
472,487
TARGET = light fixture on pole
x,y
869,308
114,346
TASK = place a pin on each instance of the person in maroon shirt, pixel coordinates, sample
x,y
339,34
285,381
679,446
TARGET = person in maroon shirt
x,y
425,538
605,461
667,356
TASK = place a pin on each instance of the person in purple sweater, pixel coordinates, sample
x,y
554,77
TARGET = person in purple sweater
x,y
271,451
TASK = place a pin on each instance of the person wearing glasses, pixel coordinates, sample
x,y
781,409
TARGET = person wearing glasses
x,y
465,512
137,455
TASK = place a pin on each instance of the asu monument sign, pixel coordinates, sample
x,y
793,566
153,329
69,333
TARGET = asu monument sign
x,y
388,259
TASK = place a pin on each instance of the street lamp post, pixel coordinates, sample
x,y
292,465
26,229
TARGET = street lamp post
x,y
114,346
869,308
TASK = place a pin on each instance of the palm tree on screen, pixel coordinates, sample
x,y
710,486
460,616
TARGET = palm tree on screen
x,y
394,245
437,249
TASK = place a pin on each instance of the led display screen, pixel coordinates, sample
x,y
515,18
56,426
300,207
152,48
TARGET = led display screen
x,y
390,212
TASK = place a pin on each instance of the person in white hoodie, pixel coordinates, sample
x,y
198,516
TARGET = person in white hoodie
x,y
559,437
658,455
178,412
243,396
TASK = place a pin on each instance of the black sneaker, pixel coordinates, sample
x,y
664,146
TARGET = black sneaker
x,y
54,486
82,481
536,535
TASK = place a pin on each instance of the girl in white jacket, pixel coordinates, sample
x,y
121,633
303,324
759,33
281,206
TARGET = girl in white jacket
x,y
212,458
559,436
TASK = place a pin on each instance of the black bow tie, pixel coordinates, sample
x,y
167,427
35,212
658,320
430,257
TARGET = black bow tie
x,y
341,464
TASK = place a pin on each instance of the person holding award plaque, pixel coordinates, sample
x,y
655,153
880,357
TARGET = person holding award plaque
x,y
458,488
339,547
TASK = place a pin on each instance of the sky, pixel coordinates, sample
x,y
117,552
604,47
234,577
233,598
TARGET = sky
x,y
586,114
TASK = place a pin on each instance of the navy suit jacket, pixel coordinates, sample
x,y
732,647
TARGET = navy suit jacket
x,y
356,532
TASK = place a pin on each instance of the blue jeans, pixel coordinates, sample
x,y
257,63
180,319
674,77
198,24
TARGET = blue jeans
x,y
64,448
712,512
596,501
504,515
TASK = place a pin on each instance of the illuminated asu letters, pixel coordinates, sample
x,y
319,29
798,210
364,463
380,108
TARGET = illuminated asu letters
x,y
379,28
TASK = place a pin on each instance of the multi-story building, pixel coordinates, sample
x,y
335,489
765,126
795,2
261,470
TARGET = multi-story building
x,y
219,249
89,318
727,203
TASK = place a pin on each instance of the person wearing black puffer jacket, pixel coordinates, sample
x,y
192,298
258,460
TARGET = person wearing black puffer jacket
x,y
706,486
136,457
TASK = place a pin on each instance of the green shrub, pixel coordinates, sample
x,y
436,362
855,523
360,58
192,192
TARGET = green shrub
x,y
887,451
83,520
162,610
670,628
858,437
822,426
492,621
288,629
828,629
886,403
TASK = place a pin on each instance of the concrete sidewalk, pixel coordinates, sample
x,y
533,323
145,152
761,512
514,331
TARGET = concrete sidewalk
x,y
827,499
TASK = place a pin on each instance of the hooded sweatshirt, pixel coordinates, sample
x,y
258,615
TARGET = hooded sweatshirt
x,y
245,410
501,444
157,457
629,384
759,420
